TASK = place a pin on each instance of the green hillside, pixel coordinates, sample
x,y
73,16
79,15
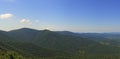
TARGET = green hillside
x,y
44,44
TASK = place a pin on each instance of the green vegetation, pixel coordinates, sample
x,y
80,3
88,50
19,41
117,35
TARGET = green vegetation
x,y
34,44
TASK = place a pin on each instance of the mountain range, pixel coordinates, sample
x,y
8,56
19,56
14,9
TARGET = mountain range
x,y
31,43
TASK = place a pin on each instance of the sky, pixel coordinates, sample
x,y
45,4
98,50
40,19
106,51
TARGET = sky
x,y
61,15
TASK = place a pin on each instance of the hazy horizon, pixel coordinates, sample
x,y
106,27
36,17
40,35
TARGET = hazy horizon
x,y
57,30
61,15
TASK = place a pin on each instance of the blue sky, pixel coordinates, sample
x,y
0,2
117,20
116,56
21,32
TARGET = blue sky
x,y
59,15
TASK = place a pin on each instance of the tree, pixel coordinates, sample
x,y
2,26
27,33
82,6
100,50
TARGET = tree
x,y
11,57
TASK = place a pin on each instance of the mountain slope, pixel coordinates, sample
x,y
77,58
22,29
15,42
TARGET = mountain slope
x,y
4,37
63,41
55,40
45,43
24,34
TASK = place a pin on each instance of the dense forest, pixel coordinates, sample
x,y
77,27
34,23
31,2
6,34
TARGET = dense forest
x,y
28,43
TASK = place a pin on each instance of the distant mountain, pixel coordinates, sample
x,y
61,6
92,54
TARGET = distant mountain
x,y
23,34
112,38
4,37
46,43
64,40
55,40
16,41
49,39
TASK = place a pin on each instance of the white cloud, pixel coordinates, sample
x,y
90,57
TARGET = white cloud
x,y
24,21
6,16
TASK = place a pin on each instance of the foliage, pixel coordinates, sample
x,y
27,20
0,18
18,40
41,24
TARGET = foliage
x,y
34,44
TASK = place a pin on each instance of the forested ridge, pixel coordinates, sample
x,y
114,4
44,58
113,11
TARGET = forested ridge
x,y
29,43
